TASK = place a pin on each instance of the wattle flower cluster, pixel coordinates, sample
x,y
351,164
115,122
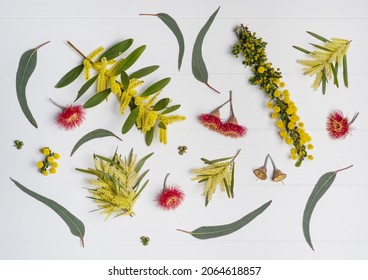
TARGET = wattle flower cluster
x,y
284,111
230,128
49,164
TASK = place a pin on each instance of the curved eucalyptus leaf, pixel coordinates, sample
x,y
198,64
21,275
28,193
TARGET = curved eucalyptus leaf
x,y
199,68
70,77
156,87
321,187
130,60
116,50
75,225
86,86
207,232
27,65
98,133
130,121
97,98
143,72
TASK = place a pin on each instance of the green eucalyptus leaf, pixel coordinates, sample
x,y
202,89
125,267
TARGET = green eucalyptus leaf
x,y
143,72
149,136
75,225
170,109
98,133
207,232
86,86
171,23
156,87
27,65
70,77
345,70
199,68
116,50
321,187
160,105
97,98
124,80
130,60
318,36
130,121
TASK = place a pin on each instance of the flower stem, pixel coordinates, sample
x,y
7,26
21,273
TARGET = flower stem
x,y
266,160
167,175
354,118
76,49
56,104
231,104
273,163
213,88
344,168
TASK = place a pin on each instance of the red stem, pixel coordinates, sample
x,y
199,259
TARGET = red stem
x,y
344,168
42,45
147,14
184,231
213,88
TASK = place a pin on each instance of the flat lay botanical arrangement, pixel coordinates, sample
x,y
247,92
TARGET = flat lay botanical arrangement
x,y
115,182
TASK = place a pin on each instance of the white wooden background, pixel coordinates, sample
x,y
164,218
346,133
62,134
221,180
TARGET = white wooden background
x,y
339,227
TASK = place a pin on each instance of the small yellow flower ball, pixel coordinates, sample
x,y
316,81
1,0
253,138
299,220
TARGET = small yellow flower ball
x,y
56,156
40,164
45,173
291,125
289,110
289,141
282,84
286,92
269,104
283,134
274,115
277,93
293,151
54,164
52,170
45,151
277,109
261,69
310,157
294,156
310,147
280,124
301,124
50,159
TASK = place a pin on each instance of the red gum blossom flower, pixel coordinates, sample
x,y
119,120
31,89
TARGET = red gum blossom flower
x,y
338,126
70,117
170,197
211,121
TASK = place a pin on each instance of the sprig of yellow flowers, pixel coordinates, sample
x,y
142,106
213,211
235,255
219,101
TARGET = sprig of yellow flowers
x,y
284,110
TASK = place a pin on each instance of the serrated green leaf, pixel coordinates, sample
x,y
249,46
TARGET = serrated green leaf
x,y
199,68
156,87
75,225
301,49
98,133
124,80
143,72
149,136
160,105
86,86
116,50
70,77
174,27
207,232
130,121
141,162
320,188
345,70
27,65
318,36
170,109
130,60
161,125
97,98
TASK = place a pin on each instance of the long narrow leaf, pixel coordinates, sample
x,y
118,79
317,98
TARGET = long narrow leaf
x,y
199,68
232,180
321,187
141,162
27,65
301,49
86,86
321,48
142,188
170,109
130,121
324,82
160,105
155,87
116,50
207,232
70,77
139,180
130,60
143,72
345,70
149,136
318,36
98,133
334,72
97,98
124,80
75,225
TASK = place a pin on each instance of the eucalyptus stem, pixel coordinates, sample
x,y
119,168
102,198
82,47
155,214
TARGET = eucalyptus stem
x,y
344,168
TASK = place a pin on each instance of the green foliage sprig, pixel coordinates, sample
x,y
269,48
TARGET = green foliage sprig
x,y
217,172
325,61
253,50
148,112
117,186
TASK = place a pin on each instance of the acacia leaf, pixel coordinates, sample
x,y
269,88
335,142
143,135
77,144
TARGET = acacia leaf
x,y
318,36
75,225
170,109
141,162
130,60
130,121
156,87
161,125
70,77
174,27
199,68
207,232
345,70
86,86
149,136
301,49
26,66
124,80
98,133
324,82
160,105
321,187
116,49
334,72
143,72
97,98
